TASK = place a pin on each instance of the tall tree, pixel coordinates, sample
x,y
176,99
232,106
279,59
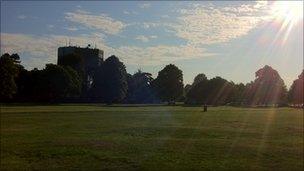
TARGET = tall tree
x,y
54,83
110,81
77,63
199,78
198,93
23,82
139,88
216,91
219,91
187,88
9,67
169,83
59,82
295,94
237,96
75,82
267,89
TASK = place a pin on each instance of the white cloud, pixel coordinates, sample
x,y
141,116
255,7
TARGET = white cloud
x,y
129,12
165,16
145,38
101,22
142,38
260,4
147,25
144,5
153,37
50,26
22,17
201,24
43,49
160,54
71,28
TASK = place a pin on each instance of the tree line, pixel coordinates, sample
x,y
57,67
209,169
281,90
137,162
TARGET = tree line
x,y
110,83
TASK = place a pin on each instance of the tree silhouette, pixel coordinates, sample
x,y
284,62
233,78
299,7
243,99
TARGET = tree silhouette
x,y
139,88
267,89
199,78
169,83
216,91
198,93
295,94
219,91
110,81
52,84
9,68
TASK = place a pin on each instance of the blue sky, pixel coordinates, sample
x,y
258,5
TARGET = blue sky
x,y
222,38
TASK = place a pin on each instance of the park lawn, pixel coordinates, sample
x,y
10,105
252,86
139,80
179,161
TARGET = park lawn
x,y
91,137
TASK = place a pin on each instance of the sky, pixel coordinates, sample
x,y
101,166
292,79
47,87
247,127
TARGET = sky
x,y
231,39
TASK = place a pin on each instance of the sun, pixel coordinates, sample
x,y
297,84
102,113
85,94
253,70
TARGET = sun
x,y
289,11
287,14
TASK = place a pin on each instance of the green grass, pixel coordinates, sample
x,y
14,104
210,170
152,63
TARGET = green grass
x,y
90,137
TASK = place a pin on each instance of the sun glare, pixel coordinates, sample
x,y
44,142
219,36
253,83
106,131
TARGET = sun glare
x,y
289,11
287,14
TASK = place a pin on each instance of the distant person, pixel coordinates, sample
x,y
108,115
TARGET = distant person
x,y
205,107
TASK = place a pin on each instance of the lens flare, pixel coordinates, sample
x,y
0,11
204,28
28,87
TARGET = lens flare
x,y
292,11
287,14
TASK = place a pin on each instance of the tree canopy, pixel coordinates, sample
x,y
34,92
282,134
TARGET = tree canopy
x,y
169,83
54,83
199,78
216,91
140,88
110,81
9,69
295,95
267,89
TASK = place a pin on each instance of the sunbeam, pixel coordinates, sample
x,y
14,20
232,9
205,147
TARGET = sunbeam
x,y
287,14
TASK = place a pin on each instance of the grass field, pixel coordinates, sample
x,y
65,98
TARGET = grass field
x,y
90,137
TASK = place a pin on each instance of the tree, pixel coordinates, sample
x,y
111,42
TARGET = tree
x,y
219,91
139,88
199,78
191,97
110,81
75,82
267,89
59,82
216,91
295,94
35,83
169,83
54,83
9,67
237,96
23,82
198,93
187,88
77,63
